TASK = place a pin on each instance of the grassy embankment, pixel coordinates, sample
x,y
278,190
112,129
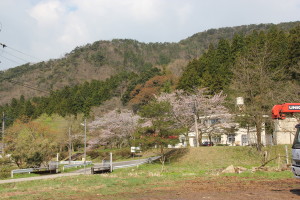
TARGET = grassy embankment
x,y
188,164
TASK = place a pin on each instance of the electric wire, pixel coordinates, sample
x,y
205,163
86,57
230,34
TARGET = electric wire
x,y
20,52
37,59
27,86
6,52
11,60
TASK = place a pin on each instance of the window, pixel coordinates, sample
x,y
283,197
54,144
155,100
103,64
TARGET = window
x,y
296,144
231,138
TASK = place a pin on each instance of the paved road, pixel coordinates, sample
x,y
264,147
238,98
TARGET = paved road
x,y
87,170
38,178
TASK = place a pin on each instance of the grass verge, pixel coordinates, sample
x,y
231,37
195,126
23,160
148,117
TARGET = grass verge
x,y
180,166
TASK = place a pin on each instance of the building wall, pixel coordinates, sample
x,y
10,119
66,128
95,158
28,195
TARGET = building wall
x,y
242,137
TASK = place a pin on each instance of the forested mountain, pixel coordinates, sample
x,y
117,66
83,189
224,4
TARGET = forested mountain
x,y
103,59
279,51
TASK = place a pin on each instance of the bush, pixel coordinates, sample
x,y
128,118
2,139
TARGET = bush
x,y
123,153
222,145
5,168
5,171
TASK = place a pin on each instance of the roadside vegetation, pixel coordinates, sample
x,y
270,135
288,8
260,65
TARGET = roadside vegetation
x,y
180,166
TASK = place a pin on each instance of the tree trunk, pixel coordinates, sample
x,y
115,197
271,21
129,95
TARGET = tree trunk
x,y
186,138
258,134
162,159
200,139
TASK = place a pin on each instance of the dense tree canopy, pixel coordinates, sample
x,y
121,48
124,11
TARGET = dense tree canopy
x,y
77,99
214,69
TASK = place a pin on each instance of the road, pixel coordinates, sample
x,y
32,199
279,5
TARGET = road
x,y
38,178
84,171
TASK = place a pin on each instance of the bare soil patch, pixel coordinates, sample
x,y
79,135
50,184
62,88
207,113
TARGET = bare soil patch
x,y
224,188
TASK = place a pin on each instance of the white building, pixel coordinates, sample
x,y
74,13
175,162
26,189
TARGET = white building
x,y
241,137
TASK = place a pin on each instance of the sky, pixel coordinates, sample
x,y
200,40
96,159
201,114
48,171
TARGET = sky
x,y
39,30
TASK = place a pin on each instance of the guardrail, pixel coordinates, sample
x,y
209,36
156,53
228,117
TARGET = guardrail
x,y
19,171
73,162
77,165
133,163
106,165
28,170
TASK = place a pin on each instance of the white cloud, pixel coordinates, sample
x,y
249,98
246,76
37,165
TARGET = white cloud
x,y
48,13
146,10
50,28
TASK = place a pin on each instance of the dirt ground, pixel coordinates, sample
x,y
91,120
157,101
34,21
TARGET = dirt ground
x,y
224,188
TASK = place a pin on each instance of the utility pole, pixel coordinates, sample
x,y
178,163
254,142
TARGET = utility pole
x,y
196,124
3,127
196,130
84,145
70,143
84,141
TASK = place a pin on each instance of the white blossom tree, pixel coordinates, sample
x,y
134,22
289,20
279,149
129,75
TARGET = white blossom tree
x,y
115,128
209,110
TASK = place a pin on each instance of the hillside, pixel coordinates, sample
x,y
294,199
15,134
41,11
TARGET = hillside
x,y
102,59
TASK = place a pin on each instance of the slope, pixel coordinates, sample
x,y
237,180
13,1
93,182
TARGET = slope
x,y
102,59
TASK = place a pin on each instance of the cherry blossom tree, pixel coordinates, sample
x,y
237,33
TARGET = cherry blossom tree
x,y
115,128
209,110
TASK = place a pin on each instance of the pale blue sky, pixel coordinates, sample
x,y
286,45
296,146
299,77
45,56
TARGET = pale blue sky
x,y
39,30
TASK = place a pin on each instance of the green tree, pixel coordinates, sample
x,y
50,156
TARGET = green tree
x,y
30,144
160,130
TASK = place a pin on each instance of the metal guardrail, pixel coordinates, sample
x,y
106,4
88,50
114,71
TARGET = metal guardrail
x,y
132,163
106,165
123,164
19,171
53,165
28,170
73,162
77,165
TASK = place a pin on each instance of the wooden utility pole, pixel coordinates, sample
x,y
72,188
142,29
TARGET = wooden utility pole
x,y
3,128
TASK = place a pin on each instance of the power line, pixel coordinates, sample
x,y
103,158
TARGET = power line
x,y
27,86
24,53
9,47
16,56
11,60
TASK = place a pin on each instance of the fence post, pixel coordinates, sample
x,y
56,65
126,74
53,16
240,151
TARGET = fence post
x,y
12,173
